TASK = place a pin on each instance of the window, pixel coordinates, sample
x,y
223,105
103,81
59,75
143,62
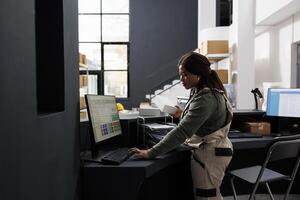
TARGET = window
x,y
223,12
104,39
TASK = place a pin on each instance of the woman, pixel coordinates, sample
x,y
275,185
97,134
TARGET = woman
x,y
204,126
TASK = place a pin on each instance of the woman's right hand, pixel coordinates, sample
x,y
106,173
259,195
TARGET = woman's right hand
x,y
139,152
178,112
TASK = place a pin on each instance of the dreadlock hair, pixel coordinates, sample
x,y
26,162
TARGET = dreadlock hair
x,y
198,64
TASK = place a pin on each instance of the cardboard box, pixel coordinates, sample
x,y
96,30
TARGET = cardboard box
x,y
223,75
80,81
82,60
83,115
83,80
263,128
214,47
82,103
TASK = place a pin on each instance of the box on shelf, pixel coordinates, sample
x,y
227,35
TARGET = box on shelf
x,y
223,75
82,60
83,80
214,47
83,115
80,81
82,103
263,128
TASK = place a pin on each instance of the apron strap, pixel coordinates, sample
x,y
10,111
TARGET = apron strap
x,y
206,192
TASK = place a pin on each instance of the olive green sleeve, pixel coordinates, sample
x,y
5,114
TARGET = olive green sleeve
x,y
199,111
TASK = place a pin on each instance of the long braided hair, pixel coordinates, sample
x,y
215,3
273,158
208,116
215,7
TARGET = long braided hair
x,y
198,64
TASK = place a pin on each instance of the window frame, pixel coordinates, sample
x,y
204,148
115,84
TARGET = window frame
x,y
100,72
121,70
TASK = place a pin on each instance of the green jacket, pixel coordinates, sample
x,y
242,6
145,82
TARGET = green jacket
x,y
204,114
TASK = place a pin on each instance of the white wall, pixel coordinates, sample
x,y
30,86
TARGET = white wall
x,y
275,56
266,8
242,48
296,27
285,39
264,63
207,14
207,29
206,18
272,12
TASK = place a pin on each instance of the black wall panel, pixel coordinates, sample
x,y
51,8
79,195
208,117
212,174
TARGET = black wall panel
x,y
39,153
160,32
49,42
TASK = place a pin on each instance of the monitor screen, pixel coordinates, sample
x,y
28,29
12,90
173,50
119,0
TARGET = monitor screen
x,y
283,102
104,117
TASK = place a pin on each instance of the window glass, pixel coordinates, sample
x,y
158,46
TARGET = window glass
x,y
115,83
115,6
92,84
88,84
105,21
115,28
89,28
93,54
115,57
89,6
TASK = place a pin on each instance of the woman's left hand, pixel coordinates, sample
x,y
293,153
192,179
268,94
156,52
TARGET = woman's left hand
x,y
139,152
178,112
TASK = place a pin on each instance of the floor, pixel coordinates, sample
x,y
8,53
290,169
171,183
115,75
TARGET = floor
x,y
264,197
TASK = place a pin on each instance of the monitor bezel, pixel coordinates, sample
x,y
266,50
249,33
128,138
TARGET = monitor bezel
x,y
94,144
268,99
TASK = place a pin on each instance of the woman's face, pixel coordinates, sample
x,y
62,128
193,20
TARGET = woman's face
x,y
188,80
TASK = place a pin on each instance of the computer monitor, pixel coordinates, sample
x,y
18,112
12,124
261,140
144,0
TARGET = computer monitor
x,y
283,102
103,117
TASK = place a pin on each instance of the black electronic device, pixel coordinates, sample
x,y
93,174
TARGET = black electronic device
x,y
116,157
105,124
257,94
154,132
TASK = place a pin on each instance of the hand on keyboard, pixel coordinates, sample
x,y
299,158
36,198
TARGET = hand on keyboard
x,y
141,153
116,157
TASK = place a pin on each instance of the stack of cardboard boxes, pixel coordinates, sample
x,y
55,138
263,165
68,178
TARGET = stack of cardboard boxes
x,y
83,84
215,50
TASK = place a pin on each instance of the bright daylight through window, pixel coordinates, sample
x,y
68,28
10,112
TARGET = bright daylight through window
x,y
104,41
